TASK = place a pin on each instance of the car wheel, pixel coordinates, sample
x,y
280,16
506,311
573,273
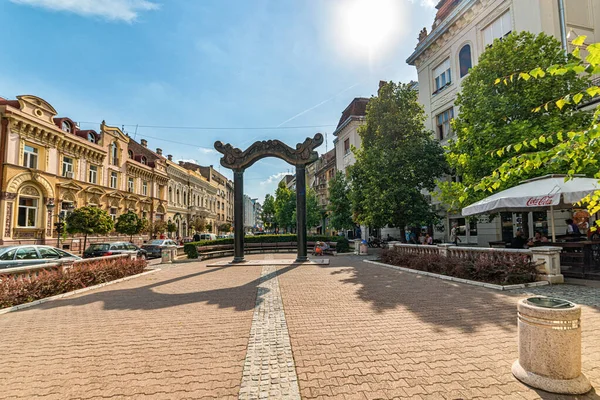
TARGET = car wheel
x,y
142,256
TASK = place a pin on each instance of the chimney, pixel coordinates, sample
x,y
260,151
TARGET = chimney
x,y
159,151
144,142
170,157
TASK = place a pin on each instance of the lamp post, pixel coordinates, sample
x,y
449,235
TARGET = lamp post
x,y
60,225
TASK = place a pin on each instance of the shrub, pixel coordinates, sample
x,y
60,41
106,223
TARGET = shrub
x,y
503,269
343,245
266,239
191,250
15,291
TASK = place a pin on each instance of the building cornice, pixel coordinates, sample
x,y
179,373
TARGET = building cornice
x,y
347,122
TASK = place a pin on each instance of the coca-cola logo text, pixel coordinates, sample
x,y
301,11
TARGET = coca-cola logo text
x,y
540,201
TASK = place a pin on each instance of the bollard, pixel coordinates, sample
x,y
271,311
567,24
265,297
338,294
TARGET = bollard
x,y
550,346
166,256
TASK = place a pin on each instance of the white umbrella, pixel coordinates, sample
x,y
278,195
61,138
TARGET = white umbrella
x,y
537,195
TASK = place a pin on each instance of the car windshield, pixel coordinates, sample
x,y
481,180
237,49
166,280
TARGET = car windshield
x,y
156,242
98,247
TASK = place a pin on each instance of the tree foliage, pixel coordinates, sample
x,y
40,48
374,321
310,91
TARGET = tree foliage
x,y
494,115
171,227
198,224
398,159
570,151
226,227
313,210
129,224
285,206
268,212
89,221
340,208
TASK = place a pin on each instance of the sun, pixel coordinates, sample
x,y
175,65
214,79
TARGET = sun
x,y
370,27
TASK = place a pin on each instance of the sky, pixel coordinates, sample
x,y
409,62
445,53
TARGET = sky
x,y
246,69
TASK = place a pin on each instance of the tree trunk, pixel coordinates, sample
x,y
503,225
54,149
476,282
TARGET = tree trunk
x,y
84,243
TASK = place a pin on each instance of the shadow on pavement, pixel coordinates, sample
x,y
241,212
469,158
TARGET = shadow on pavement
x,y
240,298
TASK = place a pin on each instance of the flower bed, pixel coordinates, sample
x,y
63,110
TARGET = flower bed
x,y
15,291
509,269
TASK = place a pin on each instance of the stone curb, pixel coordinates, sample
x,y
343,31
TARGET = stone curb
x,y
63,295
460,280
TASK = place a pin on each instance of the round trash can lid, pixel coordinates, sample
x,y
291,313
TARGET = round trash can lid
x,y
550,302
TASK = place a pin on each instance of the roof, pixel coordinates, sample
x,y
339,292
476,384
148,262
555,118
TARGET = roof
x,y
12,103
139,150
356,108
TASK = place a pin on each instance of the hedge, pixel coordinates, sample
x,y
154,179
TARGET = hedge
x,y
342,243
15,290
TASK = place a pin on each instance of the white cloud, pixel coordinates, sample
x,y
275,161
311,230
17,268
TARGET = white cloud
x,y
116,10
274,178
206,150
190,160
429,3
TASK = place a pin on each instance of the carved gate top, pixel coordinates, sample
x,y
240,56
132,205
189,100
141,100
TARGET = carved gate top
x,y
235,158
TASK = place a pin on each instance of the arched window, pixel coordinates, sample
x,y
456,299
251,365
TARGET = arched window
x,y
29,201
66,126
130,153
91,138
184,198
114,153
177,197
143,160
464,60
170,195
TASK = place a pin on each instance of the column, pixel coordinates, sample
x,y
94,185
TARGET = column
x,y
238,215
301,211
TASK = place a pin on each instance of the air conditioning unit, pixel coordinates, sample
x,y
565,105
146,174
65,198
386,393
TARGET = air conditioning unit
x,y
69,174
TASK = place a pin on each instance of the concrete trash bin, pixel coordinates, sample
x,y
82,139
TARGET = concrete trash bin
x,y
166,256
364,249
550,346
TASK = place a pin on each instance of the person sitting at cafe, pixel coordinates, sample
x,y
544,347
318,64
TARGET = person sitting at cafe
x,y
518,242
538,238
572,228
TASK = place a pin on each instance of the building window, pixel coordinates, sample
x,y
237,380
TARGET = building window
x,y
30,157
114,152
170,195
464,60
113,213
443,123
113,180
184,198
28,208
91,138
66,126
143,160
145,188
130,154
93,178
497,29
67,167
66,207
346,146
442,76
130,185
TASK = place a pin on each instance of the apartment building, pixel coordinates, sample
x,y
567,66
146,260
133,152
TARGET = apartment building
x,y
461,31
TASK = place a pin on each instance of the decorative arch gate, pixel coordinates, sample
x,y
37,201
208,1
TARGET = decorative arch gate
x,y
238,160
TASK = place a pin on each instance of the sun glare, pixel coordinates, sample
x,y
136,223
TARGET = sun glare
x,y
370,27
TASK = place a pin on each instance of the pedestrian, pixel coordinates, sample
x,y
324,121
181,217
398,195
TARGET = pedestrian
x,y
572,228
518,242
421,238
428,239
454,234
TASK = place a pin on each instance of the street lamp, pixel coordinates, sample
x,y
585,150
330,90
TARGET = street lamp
x,y
60,225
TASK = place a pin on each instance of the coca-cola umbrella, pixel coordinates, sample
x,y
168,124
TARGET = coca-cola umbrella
x,y
538,194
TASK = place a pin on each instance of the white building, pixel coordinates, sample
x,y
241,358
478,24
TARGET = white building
x,y
346,133
461,32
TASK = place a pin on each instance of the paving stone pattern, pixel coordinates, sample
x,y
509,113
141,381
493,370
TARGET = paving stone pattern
x,y
269,370
578,294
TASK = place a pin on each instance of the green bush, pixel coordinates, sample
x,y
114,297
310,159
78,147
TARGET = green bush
x,y
266,239
343,245
191,250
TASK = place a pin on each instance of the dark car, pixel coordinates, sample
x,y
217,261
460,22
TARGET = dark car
x,y
156,246
27,255
114,248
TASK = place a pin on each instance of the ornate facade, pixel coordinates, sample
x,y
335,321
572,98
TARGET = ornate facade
x,y
190,196
48,160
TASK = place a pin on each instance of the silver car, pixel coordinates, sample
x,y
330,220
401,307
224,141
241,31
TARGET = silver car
x,y
27,255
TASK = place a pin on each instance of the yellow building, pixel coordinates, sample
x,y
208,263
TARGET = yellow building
x,y
46,160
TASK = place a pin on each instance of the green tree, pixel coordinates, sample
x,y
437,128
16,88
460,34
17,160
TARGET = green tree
x,y
397,161
156,227
129,224
226,227
268,212
89,221
285,205
340,207
209,227
574,151
493,116
171,227
313,209
198,224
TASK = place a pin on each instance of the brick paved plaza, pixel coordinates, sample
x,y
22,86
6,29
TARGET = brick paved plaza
x,y
356,331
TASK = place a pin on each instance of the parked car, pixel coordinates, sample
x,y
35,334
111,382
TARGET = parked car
x,y
114,248
27,255
208,236
156,246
